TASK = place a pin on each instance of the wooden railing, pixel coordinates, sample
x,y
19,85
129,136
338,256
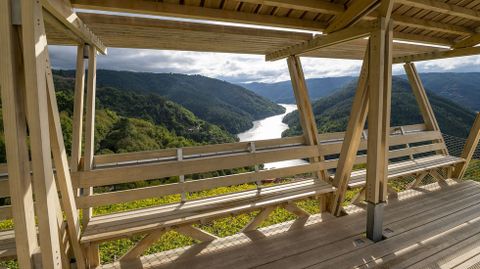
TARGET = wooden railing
x,y
138,166
131,167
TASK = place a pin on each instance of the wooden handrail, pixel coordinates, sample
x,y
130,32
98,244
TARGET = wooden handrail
x,y
206,150
469,148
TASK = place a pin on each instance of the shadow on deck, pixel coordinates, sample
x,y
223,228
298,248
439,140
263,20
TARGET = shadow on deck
x,y
431,226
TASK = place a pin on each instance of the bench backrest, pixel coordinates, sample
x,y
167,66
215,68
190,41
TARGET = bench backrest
x,y
132,167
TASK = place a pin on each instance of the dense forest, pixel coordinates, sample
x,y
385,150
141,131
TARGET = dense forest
x,y
332,112
143,118
282,92
221,103
462,88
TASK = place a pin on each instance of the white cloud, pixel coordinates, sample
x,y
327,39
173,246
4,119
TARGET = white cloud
x,y
238,67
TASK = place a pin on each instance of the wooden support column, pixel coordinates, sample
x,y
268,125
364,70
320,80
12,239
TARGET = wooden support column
x,y
64,181
423,102
468,149
378,126
35,56
352,138
307,119
78,110
89,150
12,88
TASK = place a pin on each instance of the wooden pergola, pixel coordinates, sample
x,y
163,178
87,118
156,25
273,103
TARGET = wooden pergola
x,y
379,32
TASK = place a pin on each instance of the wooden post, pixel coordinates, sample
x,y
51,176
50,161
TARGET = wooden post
x,y
307,119
90,124
378,127
77,127
181,177
423,102
469,148
352,138
35,56
64,180
93,255
12,88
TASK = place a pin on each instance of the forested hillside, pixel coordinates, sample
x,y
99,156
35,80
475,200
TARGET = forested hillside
x,y
332,112
462,88
282,92
229,106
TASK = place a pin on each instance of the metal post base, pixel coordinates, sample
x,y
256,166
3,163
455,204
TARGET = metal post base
x,y
375,221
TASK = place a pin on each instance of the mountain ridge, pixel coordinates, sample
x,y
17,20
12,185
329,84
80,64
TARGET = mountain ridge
x,y
219,102
332,112
463,88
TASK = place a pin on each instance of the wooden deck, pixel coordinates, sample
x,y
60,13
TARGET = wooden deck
x,y
430,227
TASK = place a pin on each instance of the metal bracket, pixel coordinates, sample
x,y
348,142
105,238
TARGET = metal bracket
x,y
85,51
16,16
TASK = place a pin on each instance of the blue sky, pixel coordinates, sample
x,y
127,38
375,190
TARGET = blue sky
x,y
237,68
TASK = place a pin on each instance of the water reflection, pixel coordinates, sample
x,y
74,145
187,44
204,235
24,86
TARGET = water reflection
x,y
270,128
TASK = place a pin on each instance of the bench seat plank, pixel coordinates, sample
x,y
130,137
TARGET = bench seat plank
x,y
395,170
7,245
124,224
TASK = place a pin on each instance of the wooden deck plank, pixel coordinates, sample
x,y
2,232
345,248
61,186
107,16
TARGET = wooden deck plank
x,y
343,254
417,214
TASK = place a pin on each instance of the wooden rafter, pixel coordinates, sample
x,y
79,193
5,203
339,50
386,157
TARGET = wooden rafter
x,y
63,11
304,5
164,9
356,11
192,12
431,25
323,41
442,54
471,41
444,8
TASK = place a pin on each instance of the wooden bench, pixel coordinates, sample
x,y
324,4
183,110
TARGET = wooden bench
x,y
7,237
181,215
413,150
123,224
423,152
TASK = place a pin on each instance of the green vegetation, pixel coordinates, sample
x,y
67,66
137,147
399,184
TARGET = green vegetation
x,y
130,117
462,88
218,102
282,92
332,112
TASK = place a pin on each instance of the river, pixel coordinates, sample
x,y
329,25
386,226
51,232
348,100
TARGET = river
x,y
270,128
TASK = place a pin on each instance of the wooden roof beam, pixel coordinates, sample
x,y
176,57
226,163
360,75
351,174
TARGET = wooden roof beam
x,y
353,14
193,12
444,8
62,10
422,39
338,37
431,25
438,55
323,7
471,41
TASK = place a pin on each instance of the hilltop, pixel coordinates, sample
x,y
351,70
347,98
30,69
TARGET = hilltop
x,y
462,88
332,112
218,102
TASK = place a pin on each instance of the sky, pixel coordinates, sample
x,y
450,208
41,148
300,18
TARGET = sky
x,y
237,68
